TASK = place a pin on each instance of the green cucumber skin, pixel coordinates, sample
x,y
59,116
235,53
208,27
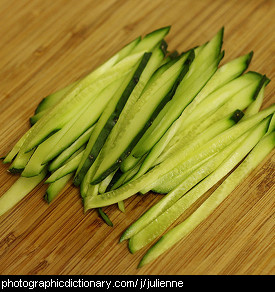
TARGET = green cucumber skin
x,y
111,121
164,101
174,235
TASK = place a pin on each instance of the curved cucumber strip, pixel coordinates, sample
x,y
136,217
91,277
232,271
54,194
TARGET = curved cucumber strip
x,y
254,158
22,187
214,145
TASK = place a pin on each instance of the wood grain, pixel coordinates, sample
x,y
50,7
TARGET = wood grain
x,y
44,46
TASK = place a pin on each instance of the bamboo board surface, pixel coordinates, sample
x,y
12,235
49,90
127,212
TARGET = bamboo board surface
x,y
46,45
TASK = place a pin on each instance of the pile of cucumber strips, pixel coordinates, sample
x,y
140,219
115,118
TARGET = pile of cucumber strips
x,y
149,120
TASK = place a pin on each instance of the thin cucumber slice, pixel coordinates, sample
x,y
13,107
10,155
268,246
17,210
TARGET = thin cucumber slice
x,y
202,68
84,119
151,40
125,177
37,117
105,217
189,177
151,67
18,165
254,158
105,183
52,99
68,167
214,145
22,187
121,206
85,91
137,120
214,109
67,153
165,219
10,156
194,144
108,119
255,106
55,188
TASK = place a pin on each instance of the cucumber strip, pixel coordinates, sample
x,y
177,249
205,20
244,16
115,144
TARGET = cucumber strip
x,y
13,152
108,119
245,85
202,68
254,158
56,187
75,100
129,162
198,141
151,40
165,219
121,206
104,184
67,168
88,118
177,157
140,117
52,99
124,177
78,143
196,123
255,106
105,217
22,187
18,165
85,118
37,117
152,68
271,126
152,65
189,178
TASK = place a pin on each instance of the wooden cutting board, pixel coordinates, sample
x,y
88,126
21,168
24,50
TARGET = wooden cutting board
x,y
46,45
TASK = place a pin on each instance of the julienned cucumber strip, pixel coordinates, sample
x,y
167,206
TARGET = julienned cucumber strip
x,y
190,179
197,142
202,68
152,65
214,145
56,187
68,167
215,174
19,190
139,119
78,143
76,90
52,99
197,125
254,158
108,119
147,44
